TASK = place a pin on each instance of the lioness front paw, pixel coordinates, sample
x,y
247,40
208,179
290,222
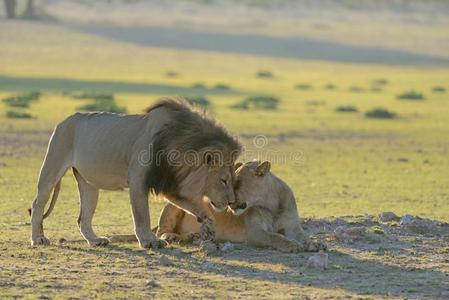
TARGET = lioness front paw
x,y
40,240
315,246
292,248
152,244
98,242
171,237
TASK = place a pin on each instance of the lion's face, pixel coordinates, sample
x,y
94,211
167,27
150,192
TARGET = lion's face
x,y
250,185
218,187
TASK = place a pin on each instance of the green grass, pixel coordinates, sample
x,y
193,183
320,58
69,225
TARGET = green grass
x,y
337,164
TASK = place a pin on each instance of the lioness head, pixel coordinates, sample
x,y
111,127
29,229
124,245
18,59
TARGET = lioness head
x,y
250,185
218,188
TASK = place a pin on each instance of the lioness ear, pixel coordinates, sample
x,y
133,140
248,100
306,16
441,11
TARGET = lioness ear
x,y
237,165
263,168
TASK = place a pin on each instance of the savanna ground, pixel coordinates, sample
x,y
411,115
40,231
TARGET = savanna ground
x,y
338,163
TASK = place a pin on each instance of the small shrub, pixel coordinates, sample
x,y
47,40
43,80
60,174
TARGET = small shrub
x,y
346,108
171,74
258,102
356,89
100,96
22,100
380,81
303,86
330,86
222,86
199,101
103,105
198,85
315,102
410,95
18,115
380,113
439,89
264,74
376,89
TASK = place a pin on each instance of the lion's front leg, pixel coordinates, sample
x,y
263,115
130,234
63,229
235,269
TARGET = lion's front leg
x,y
139,203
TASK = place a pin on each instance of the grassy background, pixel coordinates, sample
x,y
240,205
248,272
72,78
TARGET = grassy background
x,y
337,163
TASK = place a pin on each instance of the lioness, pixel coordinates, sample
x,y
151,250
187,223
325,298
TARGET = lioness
x,y
264,215
171,150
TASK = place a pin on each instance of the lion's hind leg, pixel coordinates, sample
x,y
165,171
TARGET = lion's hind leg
x,y
88,203
56,163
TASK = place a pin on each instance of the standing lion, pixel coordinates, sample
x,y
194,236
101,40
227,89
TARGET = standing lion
x,y
171,150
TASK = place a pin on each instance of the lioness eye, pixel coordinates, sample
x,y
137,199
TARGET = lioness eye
x,y
224,182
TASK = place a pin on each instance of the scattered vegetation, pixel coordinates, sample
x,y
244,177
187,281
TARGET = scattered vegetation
x,y
411,95
222,86
198,85
171,74
380,81
303,86
22,100
100,96
107,105
199,101
12,114
330,86
264,74
377,230
315,102
439,89
356,89
346,108
380,113
376,89
258,102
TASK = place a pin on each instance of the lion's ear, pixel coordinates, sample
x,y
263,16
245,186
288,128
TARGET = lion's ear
x,y
237,165
263,168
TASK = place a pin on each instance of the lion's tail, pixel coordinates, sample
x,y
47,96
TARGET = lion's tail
x,y
53,200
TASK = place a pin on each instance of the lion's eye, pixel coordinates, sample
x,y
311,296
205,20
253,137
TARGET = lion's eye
x,y
224,182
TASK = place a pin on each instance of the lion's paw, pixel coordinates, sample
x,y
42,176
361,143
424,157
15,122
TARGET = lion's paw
x,y
152,244
292,248
40,240
315,246
171,237
98,242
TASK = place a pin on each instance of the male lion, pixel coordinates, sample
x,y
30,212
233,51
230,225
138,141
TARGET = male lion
x,y
170,150
264,215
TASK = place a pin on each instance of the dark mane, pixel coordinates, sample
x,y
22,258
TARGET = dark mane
x,y
189,131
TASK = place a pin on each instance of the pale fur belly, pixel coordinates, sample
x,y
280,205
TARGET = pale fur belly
x,y
227,227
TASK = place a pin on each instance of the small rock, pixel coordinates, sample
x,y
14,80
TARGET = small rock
x,y
388,216
208,246
152,283
318,261
227,247
165,261
407,219
356,231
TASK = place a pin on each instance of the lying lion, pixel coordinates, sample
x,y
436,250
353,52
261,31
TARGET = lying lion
x,y
264,215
